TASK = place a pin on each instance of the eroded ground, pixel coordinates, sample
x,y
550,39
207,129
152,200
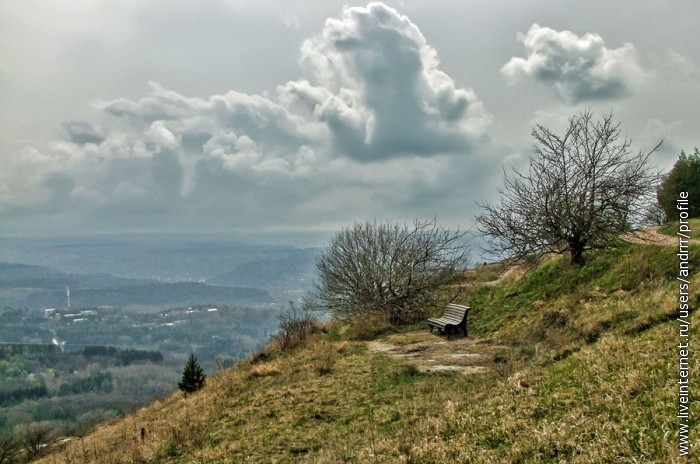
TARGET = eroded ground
x,y
430,352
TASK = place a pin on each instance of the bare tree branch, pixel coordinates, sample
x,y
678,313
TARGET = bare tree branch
x,y
581,191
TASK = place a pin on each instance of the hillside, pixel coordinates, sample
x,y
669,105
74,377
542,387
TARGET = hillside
x,y
567,365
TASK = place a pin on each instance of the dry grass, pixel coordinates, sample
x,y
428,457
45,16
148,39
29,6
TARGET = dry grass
x,y
367,326
263,370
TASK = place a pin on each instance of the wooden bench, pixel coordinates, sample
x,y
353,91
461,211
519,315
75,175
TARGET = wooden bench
x,y
455,317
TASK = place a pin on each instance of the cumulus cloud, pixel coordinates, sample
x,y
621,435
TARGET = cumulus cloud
x,y
578,68
376,83
372,117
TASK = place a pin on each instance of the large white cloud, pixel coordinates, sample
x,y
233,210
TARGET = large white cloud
x,y
578,68
372,121
376,83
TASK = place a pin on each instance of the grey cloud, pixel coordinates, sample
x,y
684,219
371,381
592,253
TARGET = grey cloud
x,y
193,142
373,116
578,68
133,192
60,187
160,104
166,174
81,132
266,122
374,86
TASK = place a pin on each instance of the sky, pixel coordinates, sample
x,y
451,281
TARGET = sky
x,y
291,116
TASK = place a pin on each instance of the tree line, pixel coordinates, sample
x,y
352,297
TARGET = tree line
x,y
124,356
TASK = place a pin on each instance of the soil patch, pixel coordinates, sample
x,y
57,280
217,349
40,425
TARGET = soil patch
x,y
430,352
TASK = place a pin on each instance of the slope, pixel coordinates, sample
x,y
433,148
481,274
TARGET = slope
x,y
583,368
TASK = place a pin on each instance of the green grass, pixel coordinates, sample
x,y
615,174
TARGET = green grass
x,y
672,228
589,376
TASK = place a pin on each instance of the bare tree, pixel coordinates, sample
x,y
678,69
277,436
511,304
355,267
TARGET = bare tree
x,y
582,190
9,448
394,269
36,438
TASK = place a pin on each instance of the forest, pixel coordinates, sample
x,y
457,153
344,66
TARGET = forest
x,y
62,370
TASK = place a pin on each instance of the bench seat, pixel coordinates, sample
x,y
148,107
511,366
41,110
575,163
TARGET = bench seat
x,y
455,317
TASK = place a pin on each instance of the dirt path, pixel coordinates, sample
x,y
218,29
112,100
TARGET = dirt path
x,y
652,236
430,352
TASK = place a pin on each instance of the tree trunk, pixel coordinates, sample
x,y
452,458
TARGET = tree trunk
x,y
576,251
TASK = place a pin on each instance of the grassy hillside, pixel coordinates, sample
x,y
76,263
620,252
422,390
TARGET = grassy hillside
x,y
577,365
672,228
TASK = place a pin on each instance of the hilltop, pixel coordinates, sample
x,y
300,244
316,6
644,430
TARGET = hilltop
x,y
569,364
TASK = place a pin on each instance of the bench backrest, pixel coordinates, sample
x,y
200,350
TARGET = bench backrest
x,y
456,311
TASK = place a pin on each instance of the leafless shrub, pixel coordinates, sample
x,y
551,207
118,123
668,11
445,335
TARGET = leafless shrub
x,y
35,439
9,447
296,323
391,269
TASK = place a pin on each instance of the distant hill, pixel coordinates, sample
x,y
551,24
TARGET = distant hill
x,y
11,272
296,267
29,276
39,287
154,294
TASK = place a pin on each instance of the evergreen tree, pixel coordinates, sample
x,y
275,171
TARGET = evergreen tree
x,y
193,376
684,177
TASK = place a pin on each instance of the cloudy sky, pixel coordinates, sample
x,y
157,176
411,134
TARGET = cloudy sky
x,y
217,116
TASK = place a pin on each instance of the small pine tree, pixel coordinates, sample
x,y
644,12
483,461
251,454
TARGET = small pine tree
x,y
193,376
